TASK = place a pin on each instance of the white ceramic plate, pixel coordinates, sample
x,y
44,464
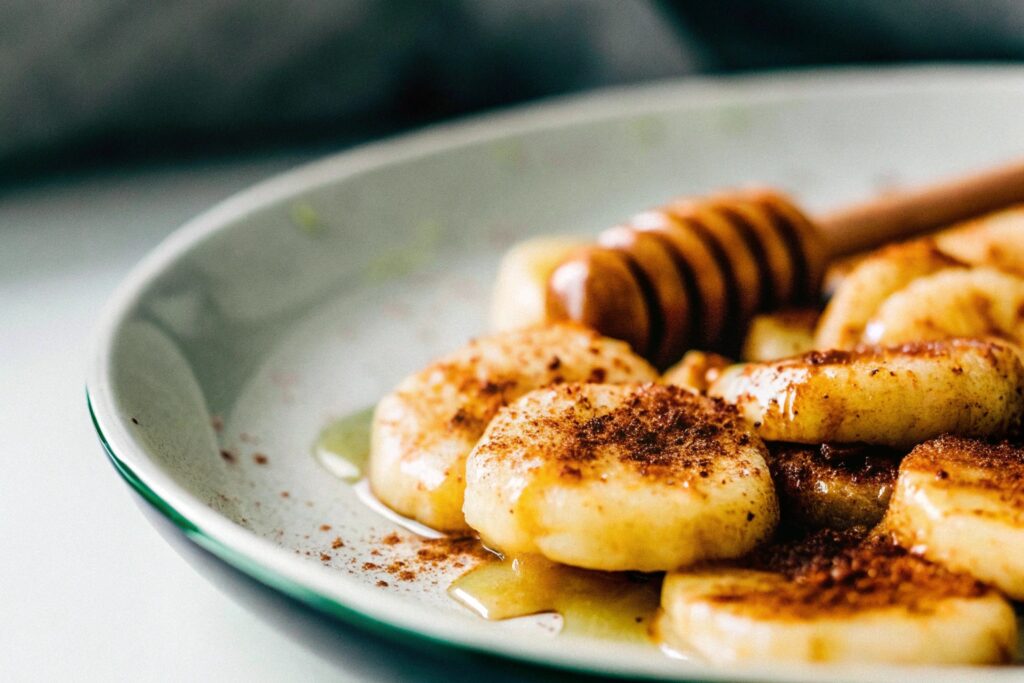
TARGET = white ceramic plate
x,y
306,297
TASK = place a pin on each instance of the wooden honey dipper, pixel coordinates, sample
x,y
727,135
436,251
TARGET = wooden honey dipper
x,y
693,272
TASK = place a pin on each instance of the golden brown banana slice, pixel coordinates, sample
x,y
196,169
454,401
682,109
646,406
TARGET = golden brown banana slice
x,y
423,431
889,396
832,599
995,240
870,283
839,269
979,302
960,502
781,334
835,487
697,370
631,477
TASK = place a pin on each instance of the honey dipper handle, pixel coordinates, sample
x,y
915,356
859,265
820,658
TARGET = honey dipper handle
x,y
906,213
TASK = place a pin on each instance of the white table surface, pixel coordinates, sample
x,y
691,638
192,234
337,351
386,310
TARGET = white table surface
x,y
88,590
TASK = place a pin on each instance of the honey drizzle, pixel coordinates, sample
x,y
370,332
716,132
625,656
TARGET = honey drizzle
x,y
343,447
595,604
619,605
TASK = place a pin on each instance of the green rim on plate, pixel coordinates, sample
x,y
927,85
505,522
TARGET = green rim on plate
x,y
282,584
239,561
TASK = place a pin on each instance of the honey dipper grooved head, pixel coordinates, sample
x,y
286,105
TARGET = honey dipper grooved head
x,y
595,286
691,273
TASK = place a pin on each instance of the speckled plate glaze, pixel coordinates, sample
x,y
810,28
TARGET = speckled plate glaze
x,y
305,298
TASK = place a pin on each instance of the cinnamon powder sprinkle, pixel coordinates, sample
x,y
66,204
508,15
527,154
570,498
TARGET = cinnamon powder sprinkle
x,y
995,468
430,555
661,431
839,572
337,543
325,527
260,459
227,455
434,552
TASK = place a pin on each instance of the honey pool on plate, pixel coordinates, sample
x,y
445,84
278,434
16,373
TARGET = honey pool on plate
x,y
598,604
621,606
343,446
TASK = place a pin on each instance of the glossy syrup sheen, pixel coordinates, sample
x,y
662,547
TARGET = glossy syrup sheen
x,y
619,605
596,604
343,447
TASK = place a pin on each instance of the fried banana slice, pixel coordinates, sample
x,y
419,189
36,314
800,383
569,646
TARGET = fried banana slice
x,y
697,370
839,269
980,302
771,336
831,599
633,477
960,502
888,396
995,240
423,431
871,282
835,487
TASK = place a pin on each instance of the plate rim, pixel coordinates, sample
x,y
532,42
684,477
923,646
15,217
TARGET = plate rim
x,y
347,598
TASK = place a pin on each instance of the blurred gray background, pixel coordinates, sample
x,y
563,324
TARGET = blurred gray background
x,y
87,83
